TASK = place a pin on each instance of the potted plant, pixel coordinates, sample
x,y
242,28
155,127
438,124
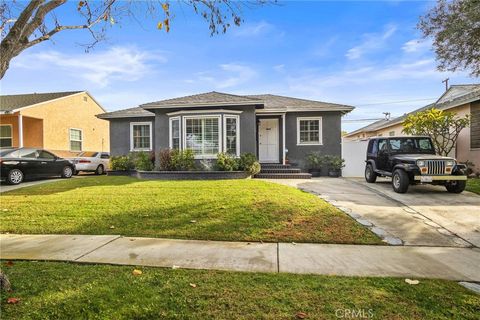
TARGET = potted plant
x,y
335,165
314,161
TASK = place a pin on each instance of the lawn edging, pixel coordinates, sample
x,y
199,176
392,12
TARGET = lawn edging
x,y
181,175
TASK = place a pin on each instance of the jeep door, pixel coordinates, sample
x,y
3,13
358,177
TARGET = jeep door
x,y
382,158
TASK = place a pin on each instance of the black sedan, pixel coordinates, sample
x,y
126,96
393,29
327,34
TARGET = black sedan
x,y
18,164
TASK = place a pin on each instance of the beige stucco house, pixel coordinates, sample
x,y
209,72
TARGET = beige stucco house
x,y
63,122
461,99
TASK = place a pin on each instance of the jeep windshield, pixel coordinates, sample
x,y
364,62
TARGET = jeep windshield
x,y
411,145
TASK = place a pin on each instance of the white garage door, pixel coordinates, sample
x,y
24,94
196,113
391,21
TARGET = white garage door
x,y
354,153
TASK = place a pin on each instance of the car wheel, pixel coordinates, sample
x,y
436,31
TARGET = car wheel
x,y
456,186
15,176
370,175
67,172
100,170
76,172
400,181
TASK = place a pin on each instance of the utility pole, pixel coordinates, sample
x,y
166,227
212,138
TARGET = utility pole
x,y
446,83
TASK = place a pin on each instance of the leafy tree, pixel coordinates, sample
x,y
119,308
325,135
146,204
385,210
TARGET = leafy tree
x,y
24,24
442,126
455,29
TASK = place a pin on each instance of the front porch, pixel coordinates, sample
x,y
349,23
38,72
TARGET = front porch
x,y
18,131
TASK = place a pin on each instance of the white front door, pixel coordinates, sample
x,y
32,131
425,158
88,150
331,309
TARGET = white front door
x,y
268,140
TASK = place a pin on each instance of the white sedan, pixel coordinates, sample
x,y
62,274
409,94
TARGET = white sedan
x,y
89,161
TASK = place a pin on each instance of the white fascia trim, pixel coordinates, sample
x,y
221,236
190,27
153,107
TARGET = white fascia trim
x,y
193,105
220,130
320,131
325,109
237,123
170,132
200,112
131,135
124,116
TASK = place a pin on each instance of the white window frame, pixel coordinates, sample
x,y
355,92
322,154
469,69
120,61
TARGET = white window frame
x,y
11,135
237,121
320,129
170,132
220,133
70,139
132,124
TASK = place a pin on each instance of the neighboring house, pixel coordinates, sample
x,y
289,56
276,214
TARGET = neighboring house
x,y
461,99
63,122
272,127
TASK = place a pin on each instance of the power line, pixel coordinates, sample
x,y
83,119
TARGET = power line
x,y
393,102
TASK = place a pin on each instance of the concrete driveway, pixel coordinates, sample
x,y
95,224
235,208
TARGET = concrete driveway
x,y
425,216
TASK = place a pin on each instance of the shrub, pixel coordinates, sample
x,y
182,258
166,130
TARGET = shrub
x,y
165,160
248,163
183,160
142,160
333,162
314,160
206,165
122,163
226,162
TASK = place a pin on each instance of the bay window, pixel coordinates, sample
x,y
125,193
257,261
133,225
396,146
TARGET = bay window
x,y
232,135
202,135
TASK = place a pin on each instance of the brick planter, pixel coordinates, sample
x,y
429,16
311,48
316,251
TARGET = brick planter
x,y
182,175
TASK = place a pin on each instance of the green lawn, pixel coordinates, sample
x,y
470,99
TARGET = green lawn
x,y
54,290
473,185
247,210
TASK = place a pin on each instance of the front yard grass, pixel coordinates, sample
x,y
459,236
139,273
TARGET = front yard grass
x,y
55,290
473,185
243,210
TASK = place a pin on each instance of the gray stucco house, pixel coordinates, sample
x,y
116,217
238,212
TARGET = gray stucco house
x,y
274,128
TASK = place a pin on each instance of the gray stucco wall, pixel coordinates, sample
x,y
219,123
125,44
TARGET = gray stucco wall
x,y
331,136
120,134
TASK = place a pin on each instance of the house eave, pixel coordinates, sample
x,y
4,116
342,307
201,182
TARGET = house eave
x,y
193,105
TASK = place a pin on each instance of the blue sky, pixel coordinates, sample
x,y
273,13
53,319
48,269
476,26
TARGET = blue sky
x,y
366,54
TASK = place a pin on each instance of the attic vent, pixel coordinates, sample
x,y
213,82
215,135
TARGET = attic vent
x,y
85,99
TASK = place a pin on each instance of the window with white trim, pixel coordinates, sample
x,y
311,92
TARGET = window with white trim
x,y
202,135
141,136
6,138
175,133
232,135
76,139
309,131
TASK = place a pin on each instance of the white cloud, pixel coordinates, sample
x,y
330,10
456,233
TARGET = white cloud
x,y
371,42
416,45
253,29
229,75
100,68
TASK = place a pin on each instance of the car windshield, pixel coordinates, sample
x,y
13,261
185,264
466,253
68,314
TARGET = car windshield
x,y
411,145
5,152
88,154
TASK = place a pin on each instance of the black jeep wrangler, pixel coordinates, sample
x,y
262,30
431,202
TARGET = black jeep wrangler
x,y
412,160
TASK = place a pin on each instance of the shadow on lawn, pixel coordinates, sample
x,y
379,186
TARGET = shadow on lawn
x,y
69,185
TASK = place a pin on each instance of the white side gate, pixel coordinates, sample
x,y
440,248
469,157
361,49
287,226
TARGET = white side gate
x,y
354,153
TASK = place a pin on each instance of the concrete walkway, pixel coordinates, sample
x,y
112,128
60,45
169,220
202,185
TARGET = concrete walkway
x,y
460,264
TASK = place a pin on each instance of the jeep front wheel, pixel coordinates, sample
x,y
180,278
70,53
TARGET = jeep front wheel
x,y
455,186
370,175
400,181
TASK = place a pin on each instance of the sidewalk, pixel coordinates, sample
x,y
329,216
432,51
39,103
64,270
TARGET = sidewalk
x,y
460,264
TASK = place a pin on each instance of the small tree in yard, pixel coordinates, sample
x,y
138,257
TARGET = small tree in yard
x,y
442,126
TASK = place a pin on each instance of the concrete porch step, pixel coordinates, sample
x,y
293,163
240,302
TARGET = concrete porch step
x,y
280,170
275,166
283,175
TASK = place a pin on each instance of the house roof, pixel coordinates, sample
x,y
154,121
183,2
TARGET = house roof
x,y
269,103
10,103
281,103
455,96
204,99
127,113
